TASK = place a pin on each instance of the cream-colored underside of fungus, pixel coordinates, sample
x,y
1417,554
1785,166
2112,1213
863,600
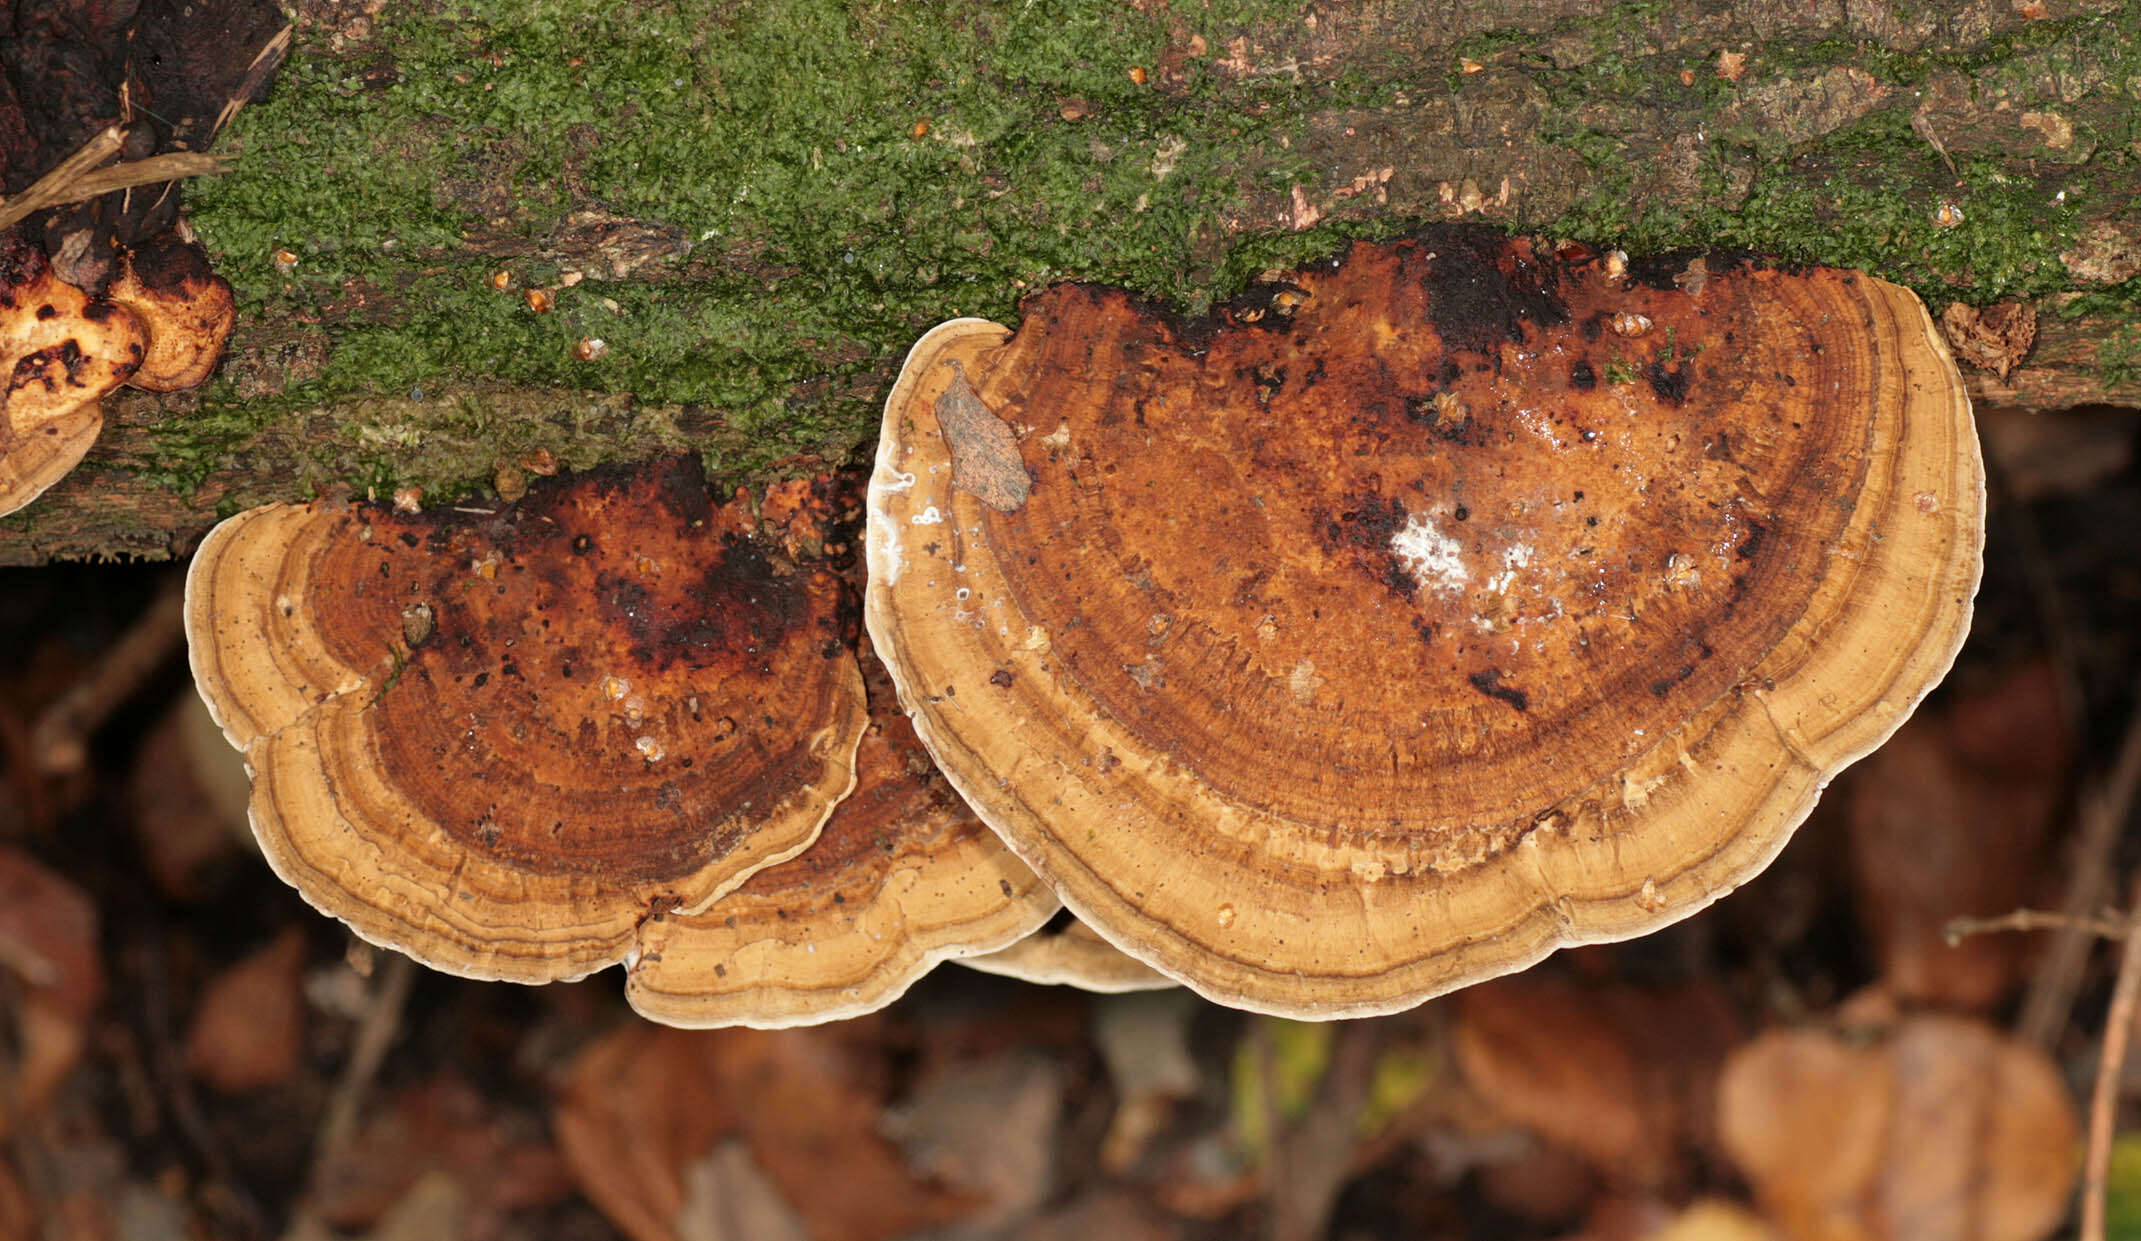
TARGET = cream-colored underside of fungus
x,y
1071,957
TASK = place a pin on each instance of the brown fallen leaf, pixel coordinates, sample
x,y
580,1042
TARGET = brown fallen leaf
x,y
642,1106
1550,1060
727,1198
250,1027
637,1107
48,953
988,1128
1617,1074
188,792
1952,818
1943,1129
439,1127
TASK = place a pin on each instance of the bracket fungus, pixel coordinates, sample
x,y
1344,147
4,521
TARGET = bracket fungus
x,y
1424,610
61,351
902,877
500,740
161,327
187,310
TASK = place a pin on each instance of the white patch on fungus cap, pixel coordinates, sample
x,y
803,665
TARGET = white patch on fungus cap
x,y
1430,556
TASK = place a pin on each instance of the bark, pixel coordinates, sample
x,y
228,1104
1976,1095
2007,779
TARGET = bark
x,y
1980,152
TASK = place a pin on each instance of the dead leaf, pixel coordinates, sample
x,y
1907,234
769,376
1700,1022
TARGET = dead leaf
x,y
1552,1061
985,456
250,1026
1952,818
1617,1074
435,1208
1996,338
637,1108
1732,66
441,1126
1144,1038
1944,1130
48,953
727,1198
987,1128
642,1106
188,792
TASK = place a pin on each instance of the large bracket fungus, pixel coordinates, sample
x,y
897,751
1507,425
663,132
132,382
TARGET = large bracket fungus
x,y
502,740
902,877
1422,611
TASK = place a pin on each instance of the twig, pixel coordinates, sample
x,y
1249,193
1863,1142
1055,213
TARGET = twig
x,y
60,738
1312,1159
170,166
52,187
375,1033
2111,1062
2103,926
2104,810
82,175
265,62
367,1051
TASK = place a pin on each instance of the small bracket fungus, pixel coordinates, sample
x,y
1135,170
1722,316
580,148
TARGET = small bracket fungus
x,y
187,310
161,328
500,741
902,877
60,352
1424,611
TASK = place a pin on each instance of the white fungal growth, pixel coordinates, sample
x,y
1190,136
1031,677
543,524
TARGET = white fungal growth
x,y
1517,557
1430,556
928,517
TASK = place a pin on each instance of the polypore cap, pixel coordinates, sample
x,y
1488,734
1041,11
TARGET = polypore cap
x,y
1424,610
60,352
501,739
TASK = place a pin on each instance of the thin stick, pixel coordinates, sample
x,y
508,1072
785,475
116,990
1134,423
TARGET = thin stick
x,y
52,187
264,63
368,1050
2111,1062
60,738
170,166
2103,926
2104,811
